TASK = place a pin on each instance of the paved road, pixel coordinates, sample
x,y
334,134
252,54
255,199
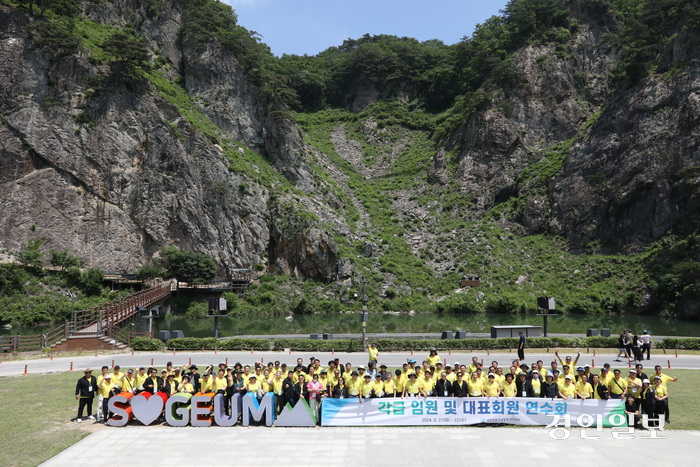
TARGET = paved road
x,y
368,446
201,359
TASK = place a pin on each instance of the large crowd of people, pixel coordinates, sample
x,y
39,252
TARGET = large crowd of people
x,y
312,382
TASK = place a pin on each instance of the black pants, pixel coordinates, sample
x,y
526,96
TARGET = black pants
x,y
646,348
82,403
521,354
662,409
106,414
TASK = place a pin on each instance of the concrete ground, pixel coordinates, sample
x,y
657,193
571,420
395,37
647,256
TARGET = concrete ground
x,y
371,446
201,359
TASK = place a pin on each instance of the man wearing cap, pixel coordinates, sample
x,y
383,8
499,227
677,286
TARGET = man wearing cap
x,y
299,372
645,340
587,372
382,372
606,375
104,392
665,379
634,384
255,387
85,392
568,389
413,387
579,372
170,385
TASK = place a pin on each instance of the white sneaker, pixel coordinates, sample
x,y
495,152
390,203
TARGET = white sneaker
x,y
91,417
79,420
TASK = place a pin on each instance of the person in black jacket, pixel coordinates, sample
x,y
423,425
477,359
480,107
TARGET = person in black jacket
x,y
85,391
443,387
648,400
153,383
522,385
194,377
550,388
459,386
340,391
289,394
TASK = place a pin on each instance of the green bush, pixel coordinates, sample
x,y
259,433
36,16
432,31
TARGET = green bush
x,y
197,310
688,343
245,344
310,345
144,343
207,343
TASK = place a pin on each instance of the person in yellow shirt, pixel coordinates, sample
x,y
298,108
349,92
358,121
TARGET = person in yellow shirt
x,y
473,365
206,384
255,387
367,388
333,378
665,379
400,382
508,387
583,388
170,386
220,383
178,376
354,384
500,377
476,385
373,352
347,374
117,375
433,357
378,386
297,373
600,390
661,396
491,388
104,391
605,376
100,397
427,384
451,375
128,382
413,387
140,379
617,386
634,385
389,386
568,389
186,386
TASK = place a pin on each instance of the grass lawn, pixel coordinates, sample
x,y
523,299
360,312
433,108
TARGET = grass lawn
x,y
36,412
30,420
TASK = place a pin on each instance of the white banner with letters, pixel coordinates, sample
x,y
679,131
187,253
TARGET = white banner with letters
x,y
466,411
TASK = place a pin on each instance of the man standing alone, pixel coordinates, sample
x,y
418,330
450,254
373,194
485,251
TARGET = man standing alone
x,y
85,392
521,346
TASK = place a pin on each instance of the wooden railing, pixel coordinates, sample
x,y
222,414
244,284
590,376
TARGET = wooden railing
x,y
93,320
124,335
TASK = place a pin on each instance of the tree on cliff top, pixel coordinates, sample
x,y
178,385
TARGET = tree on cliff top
x,y
183,265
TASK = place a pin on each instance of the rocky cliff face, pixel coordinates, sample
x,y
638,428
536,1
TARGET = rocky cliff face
x,y
135,175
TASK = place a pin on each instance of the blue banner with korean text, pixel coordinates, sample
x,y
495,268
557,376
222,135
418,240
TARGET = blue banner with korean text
x,y
462,411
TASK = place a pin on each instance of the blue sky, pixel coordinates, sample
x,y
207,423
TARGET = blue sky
x,y
311,26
